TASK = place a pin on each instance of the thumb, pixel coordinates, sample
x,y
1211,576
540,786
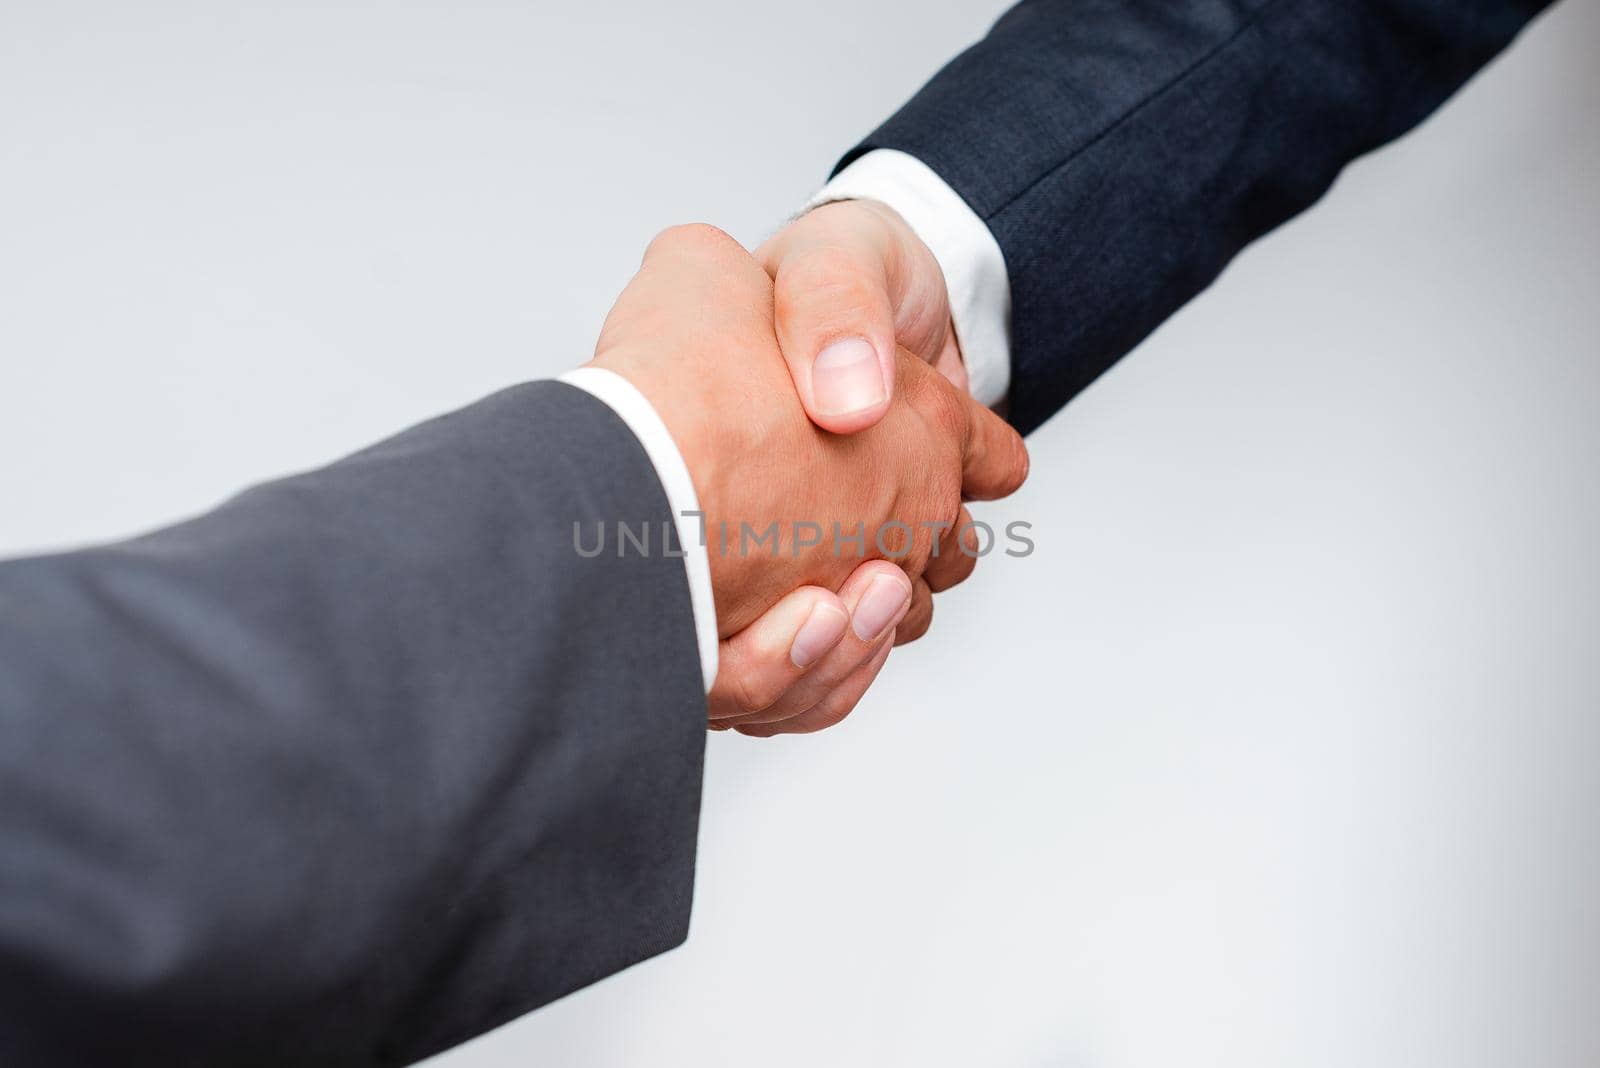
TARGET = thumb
x,y
836,326
756,666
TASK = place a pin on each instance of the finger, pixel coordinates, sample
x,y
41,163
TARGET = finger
x,y
877,595
954,554
994,461
918,618
834,318
832,711
759,664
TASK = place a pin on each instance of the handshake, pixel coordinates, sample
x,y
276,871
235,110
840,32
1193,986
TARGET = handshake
x,y
816,394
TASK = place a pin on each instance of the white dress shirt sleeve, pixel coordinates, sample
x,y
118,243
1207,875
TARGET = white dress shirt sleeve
x,y
974,268
622,397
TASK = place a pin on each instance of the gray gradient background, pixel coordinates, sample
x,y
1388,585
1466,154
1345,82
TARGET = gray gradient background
x,y
1284,748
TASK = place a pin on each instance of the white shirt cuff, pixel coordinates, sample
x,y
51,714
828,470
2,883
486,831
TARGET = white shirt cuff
x,y
973,265
624,398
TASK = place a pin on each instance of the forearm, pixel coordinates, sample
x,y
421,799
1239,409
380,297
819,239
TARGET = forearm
x,y
1123,153
360,764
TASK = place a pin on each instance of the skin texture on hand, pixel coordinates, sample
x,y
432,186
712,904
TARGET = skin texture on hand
x,y
694,331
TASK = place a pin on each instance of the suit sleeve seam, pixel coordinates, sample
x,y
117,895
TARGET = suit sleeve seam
x,y
1252,22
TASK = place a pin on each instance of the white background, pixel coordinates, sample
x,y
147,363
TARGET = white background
x,y
1284,748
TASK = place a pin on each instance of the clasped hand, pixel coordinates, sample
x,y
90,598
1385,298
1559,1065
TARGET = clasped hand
x,y
815,391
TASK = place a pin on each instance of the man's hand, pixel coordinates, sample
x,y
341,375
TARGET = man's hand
x,y
694,332
851,281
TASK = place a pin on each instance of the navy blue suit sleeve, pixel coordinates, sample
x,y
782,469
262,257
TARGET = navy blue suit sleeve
x,y
1123,151
359,765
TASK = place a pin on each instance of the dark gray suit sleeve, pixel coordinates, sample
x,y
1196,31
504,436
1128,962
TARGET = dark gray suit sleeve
x,y
1122,151
359,765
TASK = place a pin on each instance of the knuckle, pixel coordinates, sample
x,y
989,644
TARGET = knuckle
x,y
753,693
917,621
970,543
835,714
912,628
943,408
954,568
692,237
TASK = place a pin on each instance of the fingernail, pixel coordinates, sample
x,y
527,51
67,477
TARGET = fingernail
x,y
821,631
846,377
884,603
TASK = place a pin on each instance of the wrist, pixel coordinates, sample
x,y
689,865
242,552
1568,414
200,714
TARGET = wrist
x,y
636,411
735,453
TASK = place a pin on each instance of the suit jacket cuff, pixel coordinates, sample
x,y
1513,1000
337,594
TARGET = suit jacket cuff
x,y
622,397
